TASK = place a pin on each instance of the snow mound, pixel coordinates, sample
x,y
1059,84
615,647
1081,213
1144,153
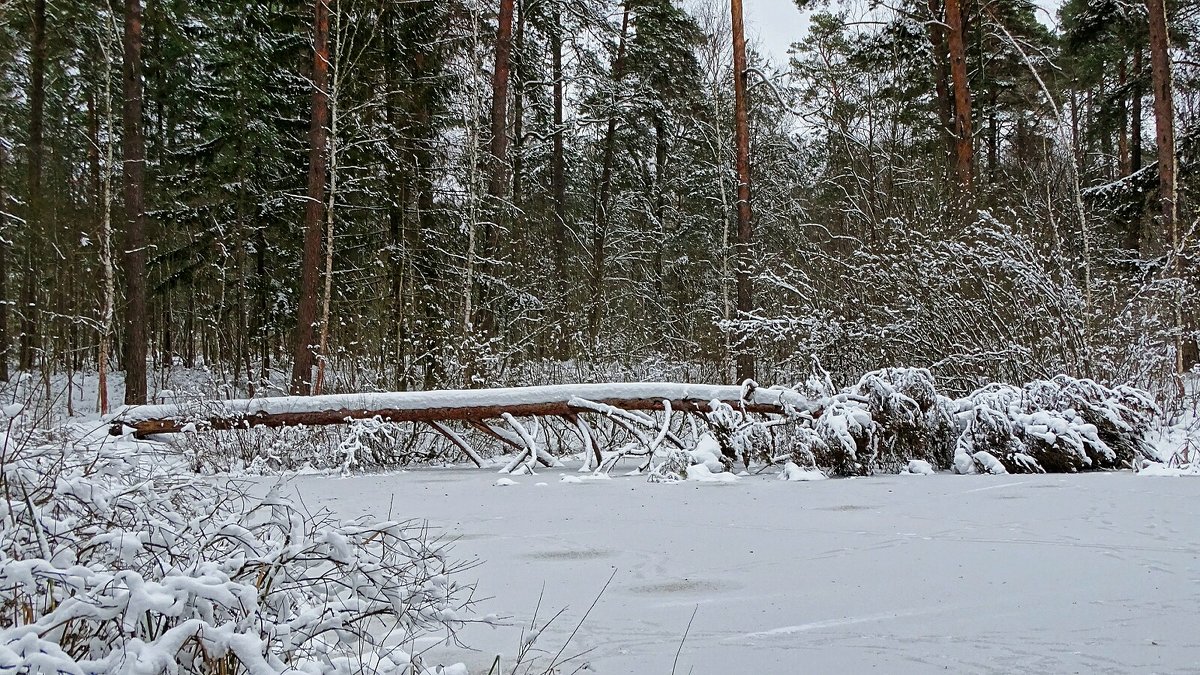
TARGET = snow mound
x,y
792,472
701,474
919,467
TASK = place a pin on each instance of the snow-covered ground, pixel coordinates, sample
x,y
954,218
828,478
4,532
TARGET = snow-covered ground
x,y
1094,573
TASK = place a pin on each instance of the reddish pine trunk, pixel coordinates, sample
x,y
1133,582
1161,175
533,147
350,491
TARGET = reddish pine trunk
x,y
1164,114
1164,123
963,158
133,152
314,212
485,311
1135,124
741,137
499,143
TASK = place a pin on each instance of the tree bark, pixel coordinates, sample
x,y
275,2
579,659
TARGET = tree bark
x,y
498,148
1122,120
941,77
1164,124
306,315
34,227
4,239
741,137
1135,113
462,405
558,182
518,74
661,149
134,158
1164,115
498,175
963,150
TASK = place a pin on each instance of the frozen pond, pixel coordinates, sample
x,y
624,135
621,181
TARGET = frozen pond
x,y
897,574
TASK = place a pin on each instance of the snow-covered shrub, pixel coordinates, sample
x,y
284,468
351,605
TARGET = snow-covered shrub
x,y
1058,425
988,445
107,565
803,446
1121,416
672,469
847,432
910,417
738,435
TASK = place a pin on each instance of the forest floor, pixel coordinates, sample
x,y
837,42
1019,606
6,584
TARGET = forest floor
x,y
1093,573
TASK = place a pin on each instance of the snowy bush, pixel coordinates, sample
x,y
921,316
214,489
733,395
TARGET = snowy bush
x,y
848,440
738,435
107,565
910,418
803,446
672,469
1058,425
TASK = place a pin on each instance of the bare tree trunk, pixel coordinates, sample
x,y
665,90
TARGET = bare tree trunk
x,y
306,315
327,293
741,139
1164,124
558,181
941,77
518,68
600,235
963,152
107,266
1122,120
4,239
498,174
1135,112
134,156
33,225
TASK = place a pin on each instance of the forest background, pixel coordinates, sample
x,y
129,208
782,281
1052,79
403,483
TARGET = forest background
x,y
353,195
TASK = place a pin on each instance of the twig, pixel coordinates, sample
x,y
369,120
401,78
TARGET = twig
x,y
554,661
679,651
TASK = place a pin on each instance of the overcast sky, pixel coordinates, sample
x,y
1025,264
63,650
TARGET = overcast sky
x,y
776,24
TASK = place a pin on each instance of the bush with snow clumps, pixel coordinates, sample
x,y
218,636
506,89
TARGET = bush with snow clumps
x,y
108,566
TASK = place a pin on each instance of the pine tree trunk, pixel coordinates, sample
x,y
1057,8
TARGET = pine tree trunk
x,y
941,77
518,74
331,204
498,173
963,150
1122,120
1135,113
134,159
1164,124
306,315
745,298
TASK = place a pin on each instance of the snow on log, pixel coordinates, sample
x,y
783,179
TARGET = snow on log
x,y
471,405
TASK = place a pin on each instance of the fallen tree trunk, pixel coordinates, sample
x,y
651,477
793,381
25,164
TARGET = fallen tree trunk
x,y
472,405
